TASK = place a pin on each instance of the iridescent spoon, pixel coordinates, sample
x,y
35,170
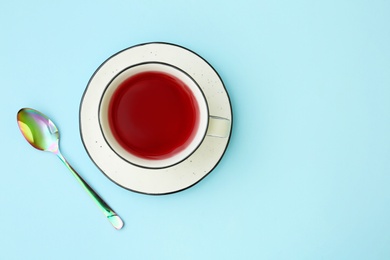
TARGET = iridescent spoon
x,y
42,133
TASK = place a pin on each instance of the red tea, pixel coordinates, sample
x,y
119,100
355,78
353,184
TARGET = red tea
x,y
153,115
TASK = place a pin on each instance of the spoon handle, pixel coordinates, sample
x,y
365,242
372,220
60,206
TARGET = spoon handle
x,y
114,219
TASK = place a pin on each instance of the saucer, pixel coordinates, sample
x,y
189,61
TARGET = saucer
x,y
162,180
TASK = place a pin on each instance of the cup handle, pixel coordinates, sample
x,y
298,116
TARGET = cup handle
x,y
218,127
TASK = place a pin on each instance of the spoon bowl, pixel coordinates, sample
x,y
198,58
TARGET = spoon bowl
x,y
38,130
43,135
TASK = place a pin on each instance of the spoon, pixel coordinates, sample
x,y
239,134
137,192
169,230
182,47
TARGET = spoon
x,y
43,135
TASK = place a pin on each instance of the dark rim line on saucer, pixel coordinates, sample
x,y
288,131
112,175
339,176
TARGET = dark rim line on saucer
x,y
170,65
223,85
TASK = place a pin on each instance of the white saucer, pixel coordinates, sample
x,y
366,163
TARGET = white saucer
x,y
155,181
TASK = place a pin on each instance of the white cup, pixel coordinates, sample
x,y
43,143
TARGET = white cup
x,y
208,125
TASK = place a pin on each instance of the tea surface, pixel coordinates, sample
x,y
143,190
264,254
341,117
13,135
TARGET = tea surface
x,y
153,115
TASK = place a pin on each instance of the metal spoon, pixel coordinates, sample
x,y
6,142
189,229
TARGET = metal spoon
x,y
42,133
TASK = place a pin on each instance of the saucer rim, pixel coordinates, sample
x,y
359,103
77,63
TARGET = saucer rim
x,y
156,169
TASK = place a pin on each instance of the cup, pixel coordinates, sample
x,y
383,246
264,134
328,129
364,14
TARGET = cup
x,y
154,115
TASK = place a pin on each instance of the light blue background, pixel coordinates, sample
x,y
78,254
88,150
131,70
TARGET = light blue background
x,y
307,171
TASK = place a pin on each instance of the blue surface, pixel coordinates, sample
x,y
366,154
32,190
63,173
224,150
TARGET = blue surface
x,y
307,172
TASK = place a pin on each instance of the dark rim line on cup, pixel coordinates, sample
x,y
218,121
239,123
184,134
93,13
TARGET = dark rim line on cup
x,y
169,65
139,45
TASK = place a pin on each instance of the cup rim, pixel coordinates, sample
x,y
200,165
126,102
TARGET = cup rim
x,y
202,131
